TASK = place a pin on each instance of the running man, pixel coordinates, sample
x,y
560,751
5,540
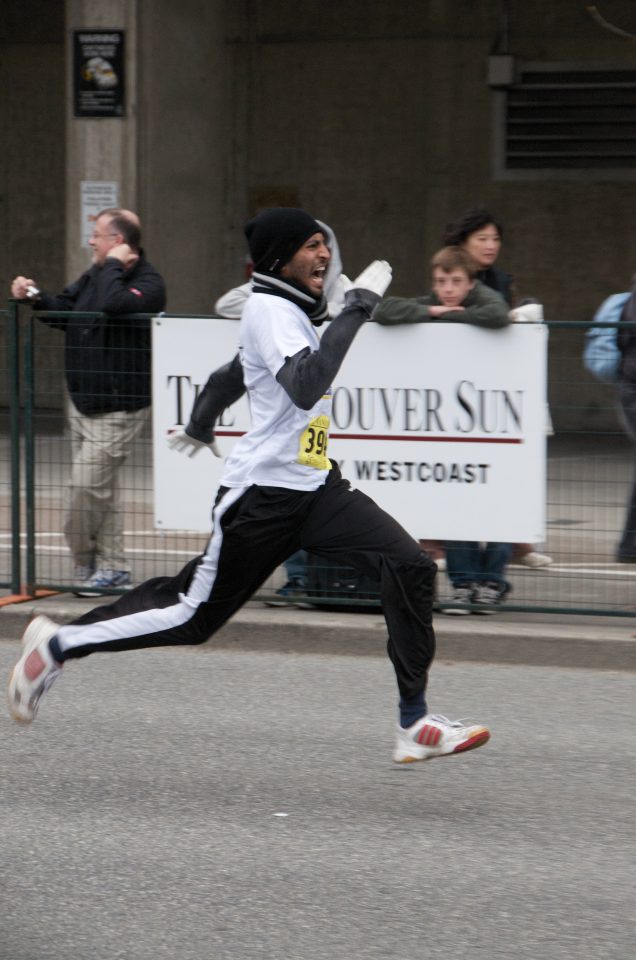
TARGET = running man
x,y
279,492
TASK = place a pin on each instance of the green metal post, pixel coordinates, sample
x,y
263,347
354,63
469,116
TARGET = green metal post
x,y
29,458
13,355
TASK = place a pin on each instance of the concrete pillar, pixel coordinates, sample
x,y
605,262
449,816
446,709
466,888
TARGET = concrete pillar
x,y
99,148
172,152
185,149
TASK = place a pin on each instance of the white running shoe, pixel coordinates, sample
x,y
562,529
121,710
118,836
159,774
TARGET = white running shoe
x,y
34,672
437,736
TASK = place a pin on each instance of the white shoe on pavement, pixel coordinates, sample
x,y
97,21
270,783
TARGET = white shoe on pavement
x,y
437,736
535,560
34,672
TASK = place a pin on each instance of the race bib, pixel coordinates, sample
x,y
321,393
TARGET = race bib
x,y
312,450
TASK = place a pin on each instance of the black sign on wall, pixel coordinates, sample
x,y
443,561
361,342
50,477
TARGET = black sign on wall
x,y
98,73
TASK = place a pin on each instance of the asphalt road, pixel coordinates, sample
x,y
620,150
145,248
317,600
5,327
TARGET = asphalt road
x,y
212,804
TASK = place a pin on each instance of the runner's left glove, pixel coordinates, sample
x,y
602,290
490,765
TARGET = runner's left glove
x,y
182,442
376,278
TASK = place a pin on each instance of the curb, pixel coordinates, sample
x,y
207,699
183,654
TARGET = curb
x,y
593,643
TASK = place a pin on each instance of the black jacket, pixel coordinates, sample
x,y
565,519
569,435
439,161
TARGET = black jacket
x,y
497,280
107,359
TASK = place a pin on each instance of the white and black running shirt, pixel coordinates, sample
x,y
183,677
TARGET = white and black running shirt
x,y
285,446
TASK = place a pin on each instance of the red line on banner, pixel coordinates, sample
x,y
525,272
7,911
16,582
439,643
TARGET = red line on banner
x,y
433,439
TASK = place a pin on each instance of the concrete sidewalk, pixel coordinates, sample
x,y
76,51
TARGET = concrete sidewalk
x,y
601,643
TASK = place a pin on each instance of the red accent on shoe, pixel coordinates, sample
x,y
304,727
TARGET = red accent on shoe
x,y
475,741
34,665
429,735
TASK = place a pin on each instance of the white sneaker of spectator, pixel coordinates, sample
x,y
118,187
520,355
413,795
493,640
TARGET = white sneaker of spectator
x,y
535,560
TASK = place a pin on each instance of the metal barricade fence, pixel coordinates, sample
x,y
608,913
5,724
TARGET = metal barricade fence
x,y
10,478
49,436
589,479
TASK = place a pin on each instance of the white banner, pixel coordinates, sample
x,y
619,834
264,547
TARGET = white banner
x,y
444,425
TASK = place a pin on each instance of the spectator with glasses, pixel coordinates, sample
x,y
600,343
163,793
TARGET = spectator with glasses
x,y
107,369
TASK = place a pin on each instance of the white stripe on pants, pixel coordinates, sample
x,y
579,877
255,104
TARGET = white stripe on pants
x,y
150,620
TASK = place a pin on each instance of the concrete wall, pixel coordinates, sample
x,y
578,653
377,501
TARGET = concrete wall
x,y
184,146
378,117
374,115
32,195
32,188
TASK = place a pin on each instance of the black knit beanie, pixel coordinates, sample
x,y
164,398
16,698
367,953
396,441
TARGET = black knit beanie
x,y
275,235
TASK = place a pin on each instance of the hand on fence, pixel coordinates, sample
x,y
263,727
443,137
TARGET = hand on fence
x,y
180,441
23,288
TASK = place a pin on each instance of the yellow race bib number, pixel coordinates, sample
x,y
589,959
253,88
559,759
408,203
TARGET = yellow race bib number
x,y
312,450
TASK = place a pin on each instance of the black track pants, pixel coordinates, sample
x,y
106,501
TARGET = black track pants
x,y
254,530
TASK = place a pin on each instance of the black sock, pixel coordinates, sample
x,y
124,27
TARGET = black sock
x,y
412,709
54,647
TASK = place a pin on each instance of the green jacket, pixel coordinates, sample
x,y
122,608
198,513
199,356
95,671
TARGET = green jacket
x,y
483,308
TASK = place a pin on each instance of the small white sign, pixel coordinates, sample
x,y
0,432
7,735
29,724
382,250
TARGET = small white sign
x,y
96,195
444,425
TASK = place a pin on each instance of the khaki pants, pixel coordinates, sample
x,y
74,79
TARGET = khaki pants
x,y
94,522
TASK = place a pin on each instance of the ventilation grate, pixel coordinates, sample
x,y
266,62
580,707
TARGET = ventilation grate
x,y
577,118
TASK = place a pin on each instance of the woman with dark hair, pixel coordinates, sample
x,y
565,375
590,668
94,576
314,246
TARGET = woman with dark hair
x,y
480,234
